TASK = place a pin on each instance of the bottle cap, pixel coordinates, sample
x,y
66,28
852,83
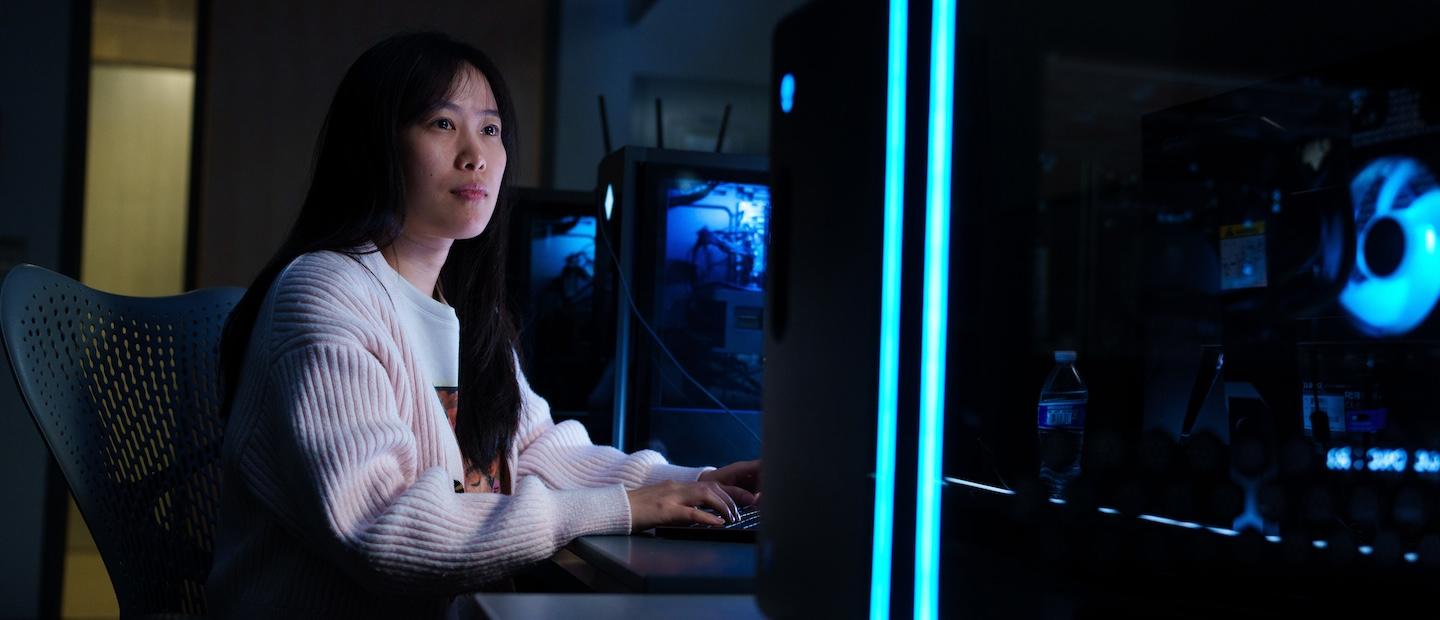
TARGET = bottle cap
x,y
1064,356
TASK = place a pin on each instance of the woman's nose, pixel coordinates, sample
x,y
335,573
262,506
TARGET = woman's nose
x,y
472,160
471,157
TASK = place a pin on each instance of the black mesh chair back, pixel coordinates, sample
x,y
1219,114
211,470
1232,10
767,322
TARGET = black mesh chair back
x,y
125,391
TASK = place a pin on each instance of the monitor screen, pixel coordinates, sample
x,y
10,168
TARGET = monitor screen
x,y
711,297
562,262
708,310
565,332
684,256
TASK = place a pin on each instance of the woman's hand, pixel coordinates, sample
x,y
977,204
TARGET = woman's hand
x,y
679,503
740,480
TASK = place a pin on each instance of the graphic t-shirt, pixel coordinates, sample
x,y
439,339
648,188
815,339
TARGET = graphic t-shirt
x,y
433,329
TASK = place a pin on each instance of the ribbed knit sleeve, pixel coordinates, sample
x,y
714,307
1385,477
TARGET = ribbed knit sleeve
x,y
353,487
332,452
563,456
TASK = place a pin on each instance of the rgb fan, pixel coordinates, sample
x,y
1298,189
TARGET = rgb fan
x,y
1395,282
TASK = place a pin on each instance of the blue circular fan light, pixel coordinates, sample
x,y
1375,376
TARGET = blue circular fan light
x,y
1395,283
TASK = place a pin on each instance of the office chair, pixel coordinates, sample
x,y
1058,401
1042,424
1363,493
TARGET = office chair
x,y
125,392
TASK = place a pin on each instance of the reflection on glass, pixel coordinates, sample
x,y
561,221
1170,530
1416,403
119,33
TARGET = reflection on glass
x,y
1248,267
710,302
709,313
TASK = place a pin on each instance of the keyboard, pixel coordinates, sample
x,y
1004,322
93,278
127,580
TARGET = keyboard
x,y
742,530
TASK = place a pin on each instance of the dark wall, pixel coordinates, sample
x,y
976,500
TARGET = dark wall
x,y
697,55
271,69
40,169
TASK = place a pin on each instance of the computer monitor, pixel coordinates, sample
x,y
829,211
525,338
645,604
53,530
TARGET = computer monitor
x,y
566,337
686,267
1156,187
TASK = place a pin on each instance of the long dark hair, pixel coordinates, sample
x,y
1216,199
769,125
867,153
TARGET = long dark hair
x,y
356,199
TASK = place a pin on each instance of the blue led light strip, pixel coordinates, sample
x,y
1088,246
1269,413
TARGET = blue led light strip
x,y
889,314
936,297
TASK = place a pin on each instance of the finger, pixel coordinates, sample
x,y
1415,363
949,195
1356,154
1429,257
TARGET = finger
x,y
728,507
713,497
700,516
729,503
739,494
757,497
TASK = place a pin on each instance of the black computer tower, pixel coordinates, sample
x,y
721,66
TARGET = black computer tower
x,y
822,402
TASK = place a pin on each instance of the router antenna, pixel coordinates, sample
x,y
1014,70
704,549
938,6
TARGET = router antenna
x,y
724,122
604,125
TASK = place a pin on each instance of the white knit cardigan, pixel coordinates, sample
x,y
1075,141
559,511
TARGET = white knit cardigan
x,y
338,495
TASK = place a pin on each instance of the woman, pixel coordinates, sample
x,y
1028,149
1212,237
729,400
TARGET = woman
x,y
349,488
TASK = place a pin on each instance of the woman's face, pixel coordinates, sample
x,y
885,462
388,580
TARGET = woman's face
x,y
453,162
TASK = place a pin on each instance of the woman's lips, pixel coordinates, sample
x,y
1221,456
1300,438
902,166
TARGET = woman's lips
x,y
471,192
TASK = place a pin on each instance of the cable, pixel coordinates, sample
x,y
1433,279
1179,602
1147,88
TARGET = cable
x,y
630,301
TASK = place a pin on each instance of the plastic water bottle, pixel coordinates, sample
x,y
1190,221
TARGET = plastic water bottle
x,y
1060,421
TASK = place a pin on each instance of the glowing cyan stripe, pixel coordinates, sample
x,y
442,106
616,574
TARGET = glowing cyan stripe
x,y
887,415
936,296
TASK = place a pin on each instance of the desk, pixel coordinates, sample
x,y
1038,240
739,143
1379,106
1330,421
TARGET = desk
x,y
659,565
608,606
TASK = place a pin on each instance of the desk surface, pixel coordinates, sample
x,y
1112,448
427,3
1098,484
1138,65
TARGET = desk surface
x,y
646,564
612,606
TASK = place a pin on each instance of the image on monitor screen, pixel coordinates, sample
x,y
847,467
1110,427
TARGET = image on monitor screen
x,y
710,295
719,229
562,263
709,312
564,344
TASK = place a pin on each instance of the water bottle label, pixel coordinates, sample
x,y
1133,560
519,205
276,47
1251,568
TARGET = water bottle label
x,y
1061,414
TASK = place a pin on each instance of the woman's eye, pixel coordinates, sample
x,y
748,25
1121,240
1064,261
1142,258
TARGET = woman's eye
x,y
444,123
492,130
